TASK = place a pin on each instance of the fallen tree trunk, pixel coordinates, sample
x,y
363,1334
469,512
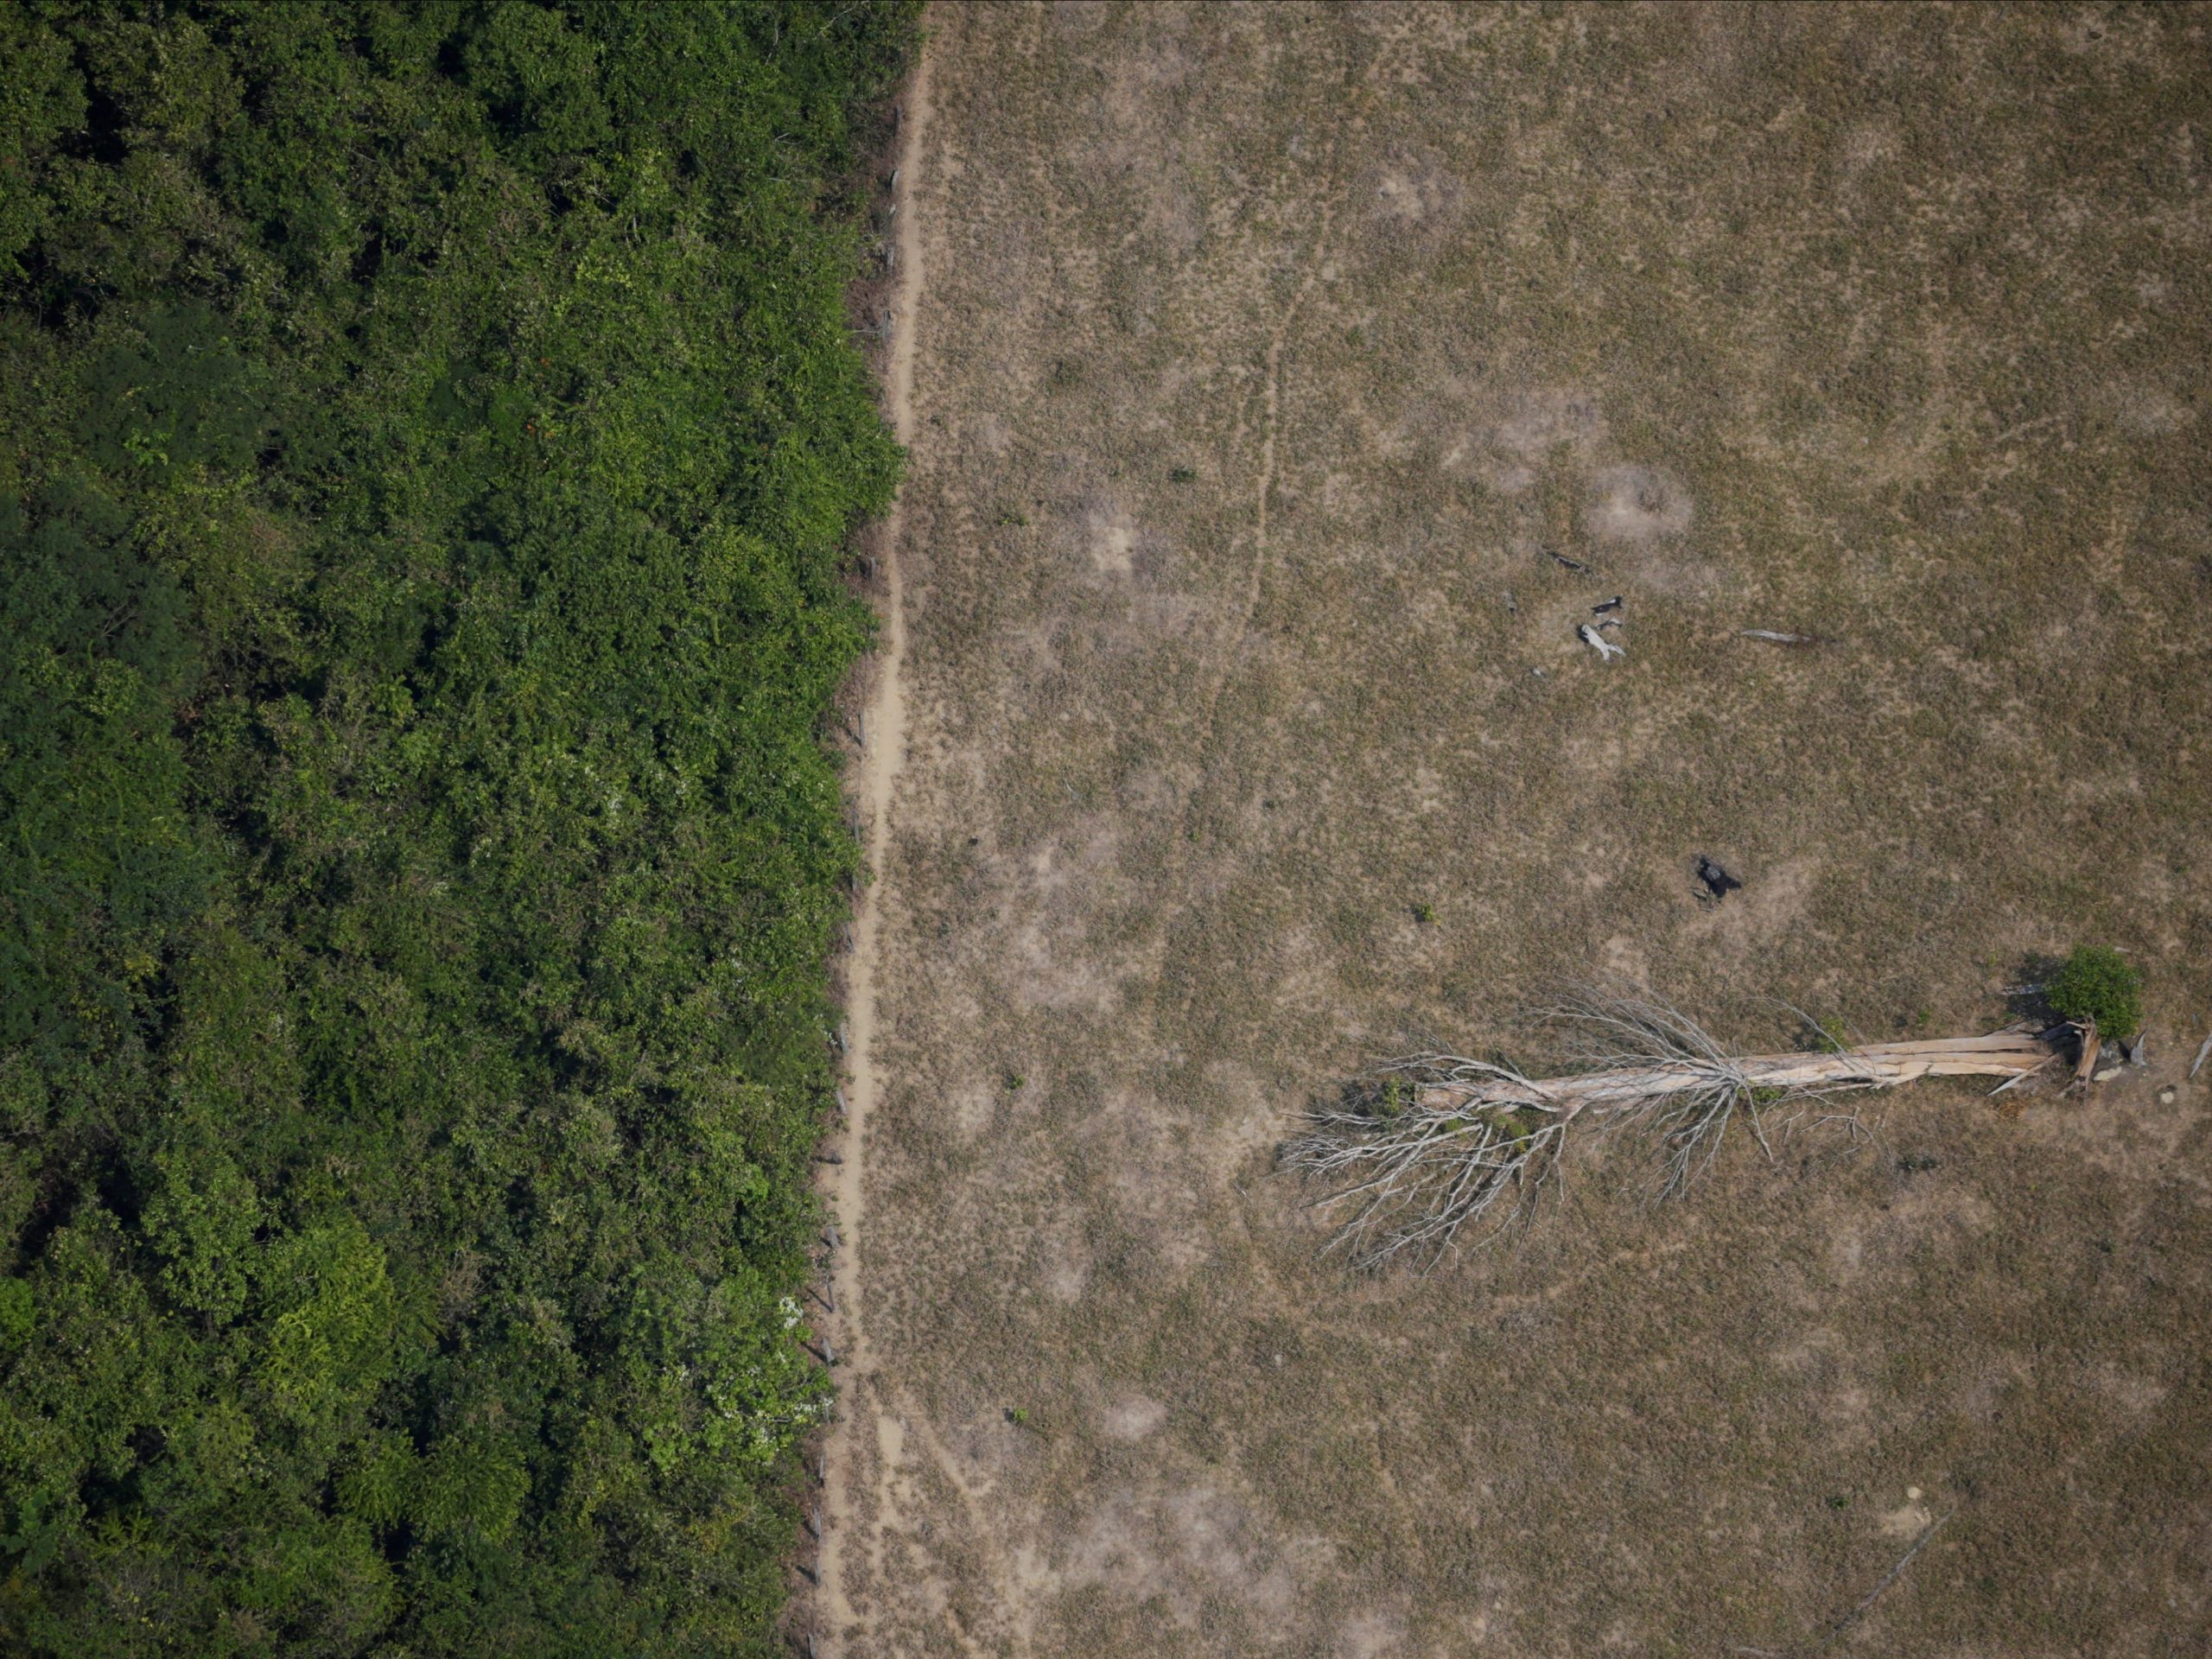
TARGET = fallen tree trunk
x,y
1434,1143
2009,1053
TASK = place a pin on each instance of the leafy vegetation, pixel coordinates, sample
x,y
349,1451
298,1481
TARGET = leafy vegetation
x,y
428,434
2097,983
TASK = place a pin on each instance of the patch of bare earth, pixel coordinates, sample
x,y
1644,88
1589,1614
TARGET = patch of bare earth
x,y
1279,364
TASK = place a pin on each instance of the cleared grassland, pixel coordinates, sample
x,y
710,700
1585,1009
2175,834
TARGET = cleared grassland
x,y
1272,362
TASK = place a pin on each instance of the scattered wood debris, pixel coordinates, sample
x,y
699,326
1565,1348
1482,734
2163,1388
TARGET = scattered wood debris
x,y
1612,604
1579,568
1774,636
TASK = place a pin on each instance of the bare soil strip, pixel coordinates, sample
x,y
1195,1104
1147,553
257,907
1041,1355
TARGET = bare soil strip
x,y
878,774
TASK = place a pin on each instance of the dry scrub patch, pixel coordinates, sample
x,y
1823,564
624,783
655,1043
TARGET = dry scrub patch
x,y
1278,363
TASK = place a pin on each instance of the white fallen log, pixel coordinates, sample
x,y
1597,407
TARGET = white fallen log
x,y
1606,649
2010,1054
1436,1143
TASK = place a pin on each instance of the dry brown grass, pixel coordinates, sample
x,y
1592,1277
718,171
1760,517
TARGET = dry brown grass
x,y
1268,357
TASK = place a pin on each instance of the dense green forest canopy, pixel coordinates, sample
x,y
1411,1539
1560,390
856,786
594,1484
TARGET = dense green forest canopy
x,y
428,437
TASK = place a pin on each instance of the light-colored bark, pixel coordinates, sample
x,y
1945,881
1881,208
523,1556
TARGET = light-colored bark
x,y
2008,1054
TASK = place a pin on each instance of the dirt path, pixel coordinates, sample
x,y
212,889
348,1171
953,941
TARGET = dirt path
x,y
879,775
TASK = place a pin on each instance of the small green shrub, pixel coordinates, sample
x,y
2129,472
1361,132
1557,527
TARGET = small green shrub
x,y
1517,1126
1185,475
1425,914
2097,983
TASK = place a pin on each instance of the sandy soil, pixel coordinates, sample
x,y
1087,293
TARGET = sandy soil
x,y
1277,366
875,792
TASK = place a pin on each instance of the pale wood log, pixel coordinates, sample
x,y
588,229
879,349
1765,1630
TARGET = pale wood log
x,y
2010,1054
2091,1043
